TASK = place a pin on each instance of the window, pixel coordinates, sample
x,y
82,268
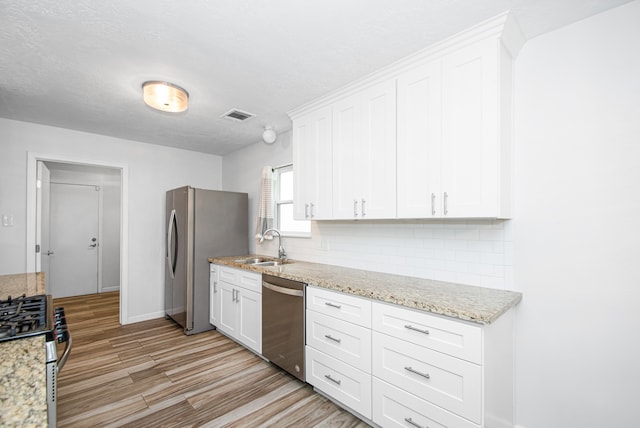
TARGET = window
x,y
283,199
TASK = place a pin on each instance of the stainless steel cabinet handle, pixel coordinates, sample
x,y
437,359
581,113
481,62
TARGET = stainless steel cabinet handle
x,y
362,208
49,253
306,210
93,245
410,327
433,204
446,198
336,381
215,286
333,305
410,422
414,371
355,208
311,210
328,336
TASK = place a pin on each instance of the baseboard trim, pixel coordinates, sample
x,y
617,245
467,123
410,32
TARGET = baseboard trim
x,y
145,317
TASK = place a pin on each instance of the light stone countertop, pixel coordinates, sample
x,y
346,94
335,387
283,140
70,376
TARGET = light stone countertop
x,y
465,302
18,284
23,376
23,386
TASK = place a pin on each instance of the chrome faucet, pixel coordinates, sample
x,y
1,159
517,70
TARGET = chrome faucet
x,y
282,254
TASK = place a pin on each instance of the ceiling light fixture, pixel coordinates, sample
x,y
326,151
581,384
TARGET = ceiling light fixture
x,y
165,96
269,135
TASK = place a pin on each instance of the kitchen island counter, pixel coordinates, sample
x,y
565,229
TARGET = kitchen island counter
x,y
465,302
23,383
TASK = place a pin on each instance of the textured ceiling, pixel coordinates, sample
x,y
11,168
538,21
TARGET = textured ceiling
x,y
79,64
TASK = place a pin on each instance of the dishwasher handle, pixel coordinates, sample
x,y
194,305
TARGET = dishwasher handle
x,y
282,290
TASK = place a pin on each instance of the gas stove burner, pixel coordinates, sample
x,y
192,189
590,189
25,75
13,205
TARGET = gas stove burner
x,y
24,316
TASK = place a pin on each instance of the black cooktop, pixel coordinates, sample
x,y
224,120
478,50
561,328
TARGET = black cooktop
x,y
25,316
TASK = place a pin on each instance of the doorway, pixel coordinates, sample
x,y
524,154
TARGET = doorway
x,y
114,251
80,237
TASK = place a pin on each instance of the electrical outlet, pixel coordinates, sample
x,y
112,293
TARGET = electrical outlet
x,y
7,220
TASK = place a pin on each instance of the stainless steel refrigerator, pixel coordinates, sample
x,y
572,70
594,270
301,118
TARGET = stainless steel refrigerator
x,y
199,224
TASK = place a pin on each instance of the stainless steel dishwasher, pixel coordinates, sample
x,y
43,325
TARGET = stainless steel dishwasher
x,y
283,323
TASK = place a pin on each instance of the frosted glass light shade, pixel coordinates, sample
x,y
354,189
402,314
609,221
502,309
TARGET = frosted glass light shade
x,y
165,96
269,135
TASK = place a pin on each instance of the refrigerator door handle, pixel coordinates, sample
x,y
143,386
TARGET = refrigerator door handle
x,y
172,267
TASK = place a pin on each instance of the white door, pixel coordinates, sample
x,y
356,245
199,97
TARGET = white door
x,y
250,319
43,189
74,239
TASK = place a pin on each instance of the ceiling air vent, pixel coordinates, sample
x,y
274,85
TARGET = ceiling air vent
x,y
237,115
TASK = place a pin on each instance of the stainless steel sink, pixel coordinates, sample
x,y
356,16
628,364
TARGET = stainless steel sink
x,y
260,261
271,263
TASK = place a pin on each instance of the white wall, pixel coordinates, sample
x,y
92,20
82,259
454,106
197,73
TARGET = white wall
x,y
576,232
573,245
242,171
152,171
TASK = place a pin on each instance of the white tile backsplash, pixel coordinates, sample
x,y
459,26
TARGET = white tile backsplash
x,y
474,252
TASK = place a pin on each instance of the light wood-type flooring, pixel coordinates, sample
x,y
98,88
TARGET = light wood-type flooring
x,y
150,374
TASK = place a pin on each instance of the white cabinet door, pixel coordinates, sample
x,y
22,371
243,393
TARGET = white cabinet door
x,y
346,133
338,380
376,172
364,153
227,312
471,134
312,148
214,295
419,141
249,330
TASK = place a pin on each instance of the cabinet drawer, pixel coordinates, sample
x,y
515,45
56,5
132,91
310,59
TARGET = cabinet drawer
x,y
242,278
340,381
347,342
451,337
454,384
395,408
339,305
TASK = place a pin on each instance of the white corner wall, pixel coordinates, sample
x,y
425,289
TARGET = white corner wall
x,y
576,231
152,171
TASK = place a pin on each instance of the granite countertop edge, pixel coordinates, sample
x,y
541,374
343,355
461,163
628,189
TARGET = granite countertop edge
x,y
480,305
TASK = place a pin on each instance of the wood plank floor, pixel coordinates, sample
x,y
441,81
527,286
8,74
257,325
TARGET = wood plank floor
x,y
150,374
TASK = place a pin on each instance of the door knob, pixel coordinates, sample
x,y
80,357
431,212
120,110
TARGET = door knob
x,y
93,245
49,253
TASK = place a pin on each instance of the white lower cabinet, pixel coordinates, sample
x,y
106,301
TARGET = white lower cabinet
x,y
237,296
342,340
449,382
339,380
401,367
396,408
338,351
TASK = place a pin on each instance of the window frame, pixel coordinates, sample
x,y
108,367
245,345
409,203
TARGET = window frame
x,y
277,202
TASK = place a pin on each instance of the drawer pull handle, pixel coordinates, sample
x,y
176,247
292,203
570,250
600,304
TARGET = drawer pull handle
x,y
412,370
410,422
333,305
337,382
410,327
328,336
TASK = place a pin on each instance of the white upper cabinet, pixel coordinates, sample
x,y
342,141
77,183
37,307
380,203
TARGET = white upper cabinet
x,y
426,137
420,141
472,146
364,136
312,164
